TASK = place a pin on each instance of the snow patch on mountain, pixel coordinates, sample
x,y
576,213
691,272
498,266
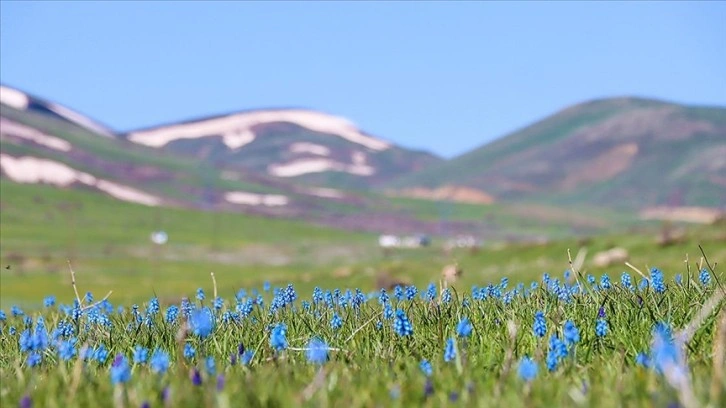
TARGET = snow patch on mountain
x,y
15,129
21,101
33,170
305,166
13,98
312,148
237,130
246,198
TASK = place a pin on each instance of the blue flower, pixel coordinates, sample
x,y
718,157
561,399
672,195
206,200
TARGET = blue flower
x,y
704,277
67,349
431,292
49,301
656,279
571,333
200,322
527,369
556,352
642,359
120,370
678,279
665,353
2,316
336,322
411,292
34,359
159,362
140,355
605,282
401,325
540,324
218,303
450,350
626,281
16,311
200,294
189,351
317,351
172,313
601,327
247,357
446,296
153,306
210,365
278,341
388,311
463,329
426,368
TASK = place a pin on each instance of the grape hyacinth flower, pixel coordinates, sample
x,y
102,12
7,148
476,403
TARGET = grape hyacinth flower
x,y
317,351
196,377
336,322
200,322
601,327
656,279
425,367
159,362
401,325
120,370
540,325
277,337
527,369
464,328
571,333
704,277
450,350
189,351
49,301
247,357
210,365
140,355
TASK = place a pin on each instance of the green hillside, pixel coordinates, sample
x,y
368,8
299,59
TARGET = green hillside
x,y
623,152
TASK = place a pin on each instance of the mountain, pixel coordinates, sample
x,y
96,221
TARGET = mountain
x,y
622,152
43,142
300,145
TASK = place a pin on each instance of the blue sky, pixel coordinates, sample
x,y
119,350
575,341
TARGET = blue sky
x,y
438,76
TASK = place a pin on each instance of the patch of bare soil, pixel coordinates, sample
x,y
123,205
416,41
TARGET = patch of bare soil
x,y
699,215
604,167
459,194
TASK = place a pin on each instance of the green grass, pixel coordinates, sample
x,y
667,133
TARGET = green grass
x,y
372,365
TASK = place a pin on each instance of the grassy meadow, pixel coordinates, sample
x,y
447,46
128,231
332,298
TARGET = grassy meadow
x,y
282,324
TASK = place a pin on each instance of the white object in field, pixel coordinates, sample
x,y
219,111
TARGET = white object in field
x,y
159,237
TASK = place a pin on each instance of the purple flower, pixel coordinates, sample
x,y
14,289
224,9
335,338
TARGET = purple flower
x,y
26,402
196,377
220,382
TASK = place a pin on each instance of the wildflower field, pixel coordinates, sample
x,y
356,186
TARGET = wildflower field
x,y
636,339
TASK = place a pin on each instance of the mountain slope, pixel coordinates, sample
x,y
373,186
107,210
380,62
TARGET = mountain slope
x,y
296,144
620,152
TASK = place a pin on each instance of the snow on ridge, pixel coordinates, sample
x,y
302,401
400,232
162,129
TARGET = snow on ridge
x,y
33,170
12,128
305,166
305,147
14,98
246,198
236,129
79,119
19,100
325,192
